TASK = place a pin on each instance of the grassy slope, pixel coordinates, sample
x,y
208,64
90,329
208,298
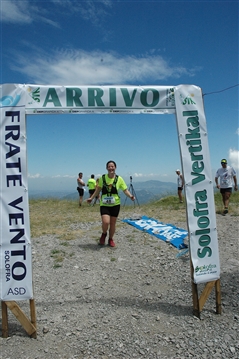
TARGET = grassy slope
x,y
57,217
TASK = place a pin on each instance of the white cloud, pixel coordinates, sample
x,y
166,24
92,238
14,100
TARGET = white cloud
x,y
37,175
92,11
233,157
137,175
26,12
95,67
141,175
68,176
62,176
237,131
15,12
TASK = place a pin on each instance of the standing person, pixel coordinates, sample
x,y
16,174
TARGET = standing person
x,y
227,175
180,182
91,184
110,184
80,189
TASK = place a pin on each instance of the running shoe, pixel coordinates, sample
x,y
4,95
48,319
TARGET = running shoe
x,y
111,242
102,239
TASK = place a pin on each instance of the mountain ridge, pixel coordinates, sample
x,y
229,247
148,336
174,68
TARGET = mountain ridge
x,y
144,191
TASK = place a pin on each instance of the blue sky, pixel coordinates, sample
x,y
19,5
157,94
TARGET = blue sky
x,y
121,43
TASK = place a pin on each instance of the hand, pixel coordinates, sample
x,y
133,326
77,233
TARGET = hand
x,y
89,200
235,188
132,198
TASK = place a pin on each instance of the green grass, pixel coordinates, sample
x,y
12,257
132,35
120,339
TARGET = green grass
x,y
233,205
57,217
58,256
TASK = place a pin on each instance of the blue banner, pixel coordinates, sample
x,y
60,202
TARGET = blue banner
x,y
167,232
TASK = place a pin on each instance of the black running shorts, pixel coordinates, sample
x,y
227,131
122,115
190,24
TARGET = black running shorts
x,y
80,191
110,211
224,190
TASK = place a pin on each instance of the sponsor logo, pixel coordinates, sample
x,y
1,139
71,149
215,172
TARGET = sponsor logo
x,y
188,100
35,94
205,269
9,101
170,98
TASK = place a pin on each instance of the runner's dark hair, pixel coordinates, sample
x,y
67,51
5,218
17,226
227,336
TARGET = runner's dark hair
x,y
109,162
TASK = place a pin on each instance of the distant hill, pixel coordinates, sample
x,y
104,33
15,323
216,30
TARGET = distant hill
x,y
156,187
145,192
148,191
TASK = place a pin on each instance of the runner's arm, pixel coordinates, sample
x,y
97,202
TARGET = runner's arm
x,y
95,194
235,182
128,194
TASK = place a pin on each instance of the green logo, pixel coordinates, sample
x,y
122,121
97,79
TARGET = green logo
x,y
35,94
188,100
205,268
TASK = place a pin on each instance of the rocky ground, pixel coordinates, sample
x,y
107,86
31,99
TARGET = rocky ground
x,y
132,301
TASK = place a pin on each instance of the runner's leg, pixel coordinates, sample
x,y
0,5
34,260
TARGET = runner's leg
x,y
112,226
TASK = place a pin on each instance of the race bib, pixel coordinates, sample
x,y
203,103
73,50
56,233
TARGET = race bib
x,y
108,200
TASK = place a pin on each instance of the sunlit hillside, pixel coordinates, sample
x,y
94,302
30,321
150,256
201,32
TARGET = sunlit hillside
x,y
57,217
